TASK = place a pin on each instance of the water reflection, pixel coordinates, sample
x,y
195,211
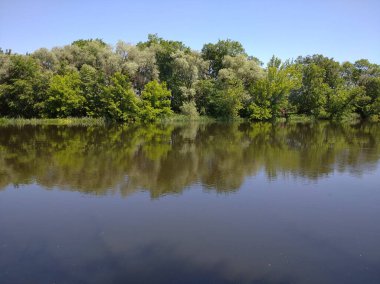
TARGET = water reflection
x,y
166,159
305,207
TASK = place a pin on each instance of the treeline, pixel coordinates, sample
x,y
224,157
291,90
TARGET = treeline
x,y
158,77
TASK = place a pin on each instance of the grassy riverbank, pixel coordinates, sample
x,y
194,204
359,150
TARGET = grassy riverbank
x,y
83,121
88,121
176,118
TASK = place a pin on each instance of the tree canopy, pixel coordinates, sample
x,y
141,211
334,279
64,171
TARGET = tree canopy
x,y
155,78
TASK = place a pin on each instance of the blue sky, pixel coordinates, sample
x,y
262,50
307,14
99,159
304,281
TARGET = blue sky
x,y
343,29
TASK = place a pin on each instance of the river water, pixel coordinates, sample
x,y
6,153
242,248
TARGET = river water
x,y
190,203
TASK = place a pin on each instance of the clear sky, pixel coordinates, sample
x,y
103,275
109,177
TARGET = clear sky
x,y
343,29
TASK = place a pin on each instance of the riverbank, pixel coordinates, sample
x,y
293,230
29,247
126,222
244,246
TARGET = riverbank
x,y
176,118
83,121
88,121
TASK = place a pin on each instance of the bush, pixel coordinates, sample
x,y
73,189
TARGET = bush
x,y
189,109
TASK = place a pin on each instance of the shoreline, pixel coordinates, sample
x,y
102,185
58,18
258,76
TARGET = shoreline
x,y
177,118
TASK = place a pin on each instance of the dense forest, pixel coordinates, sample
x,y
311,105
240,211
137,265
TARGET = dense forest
x,y
158,77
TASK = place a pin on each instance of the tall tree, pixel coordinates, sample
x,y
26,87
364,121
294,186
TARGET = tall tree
x,y
164,50
139,64
269,95
216,52
188,69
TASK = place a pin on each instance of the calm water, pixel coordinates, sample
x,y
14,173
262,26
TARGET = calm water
x,y
215,203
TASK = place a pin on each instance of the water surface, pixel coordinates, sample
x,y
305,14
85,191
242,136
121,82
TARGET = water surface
x,y
195,203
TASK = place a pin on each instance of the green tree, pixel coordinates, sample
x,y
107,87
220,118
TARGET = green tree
x,y
367,76
164,50
119,101
329,89
216,52
311,97
226,100
241,67
188,69
155,101
204,91
64,96
92,84
91,52
47,59
22,86
370,104
139,64
269,95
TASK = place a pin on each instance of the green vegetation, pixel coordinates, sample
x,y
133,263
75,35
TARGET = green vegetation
x,y
83,121
155,79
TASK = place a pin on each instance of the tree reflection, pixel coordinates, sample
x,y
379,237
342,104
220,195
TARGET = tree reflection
x,y
165,159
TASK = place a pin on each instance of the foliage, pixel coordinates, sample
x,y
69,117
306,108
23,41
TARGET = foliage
x,y
139,64
189,109
163,51
216,53
188,69
155,78
226,100
65,98
22,86
311,97
92,85
269,94
155,101
119,101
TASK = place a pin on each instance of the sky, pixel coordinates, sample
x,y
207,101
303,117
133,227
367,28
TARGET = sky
x,y
342,29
